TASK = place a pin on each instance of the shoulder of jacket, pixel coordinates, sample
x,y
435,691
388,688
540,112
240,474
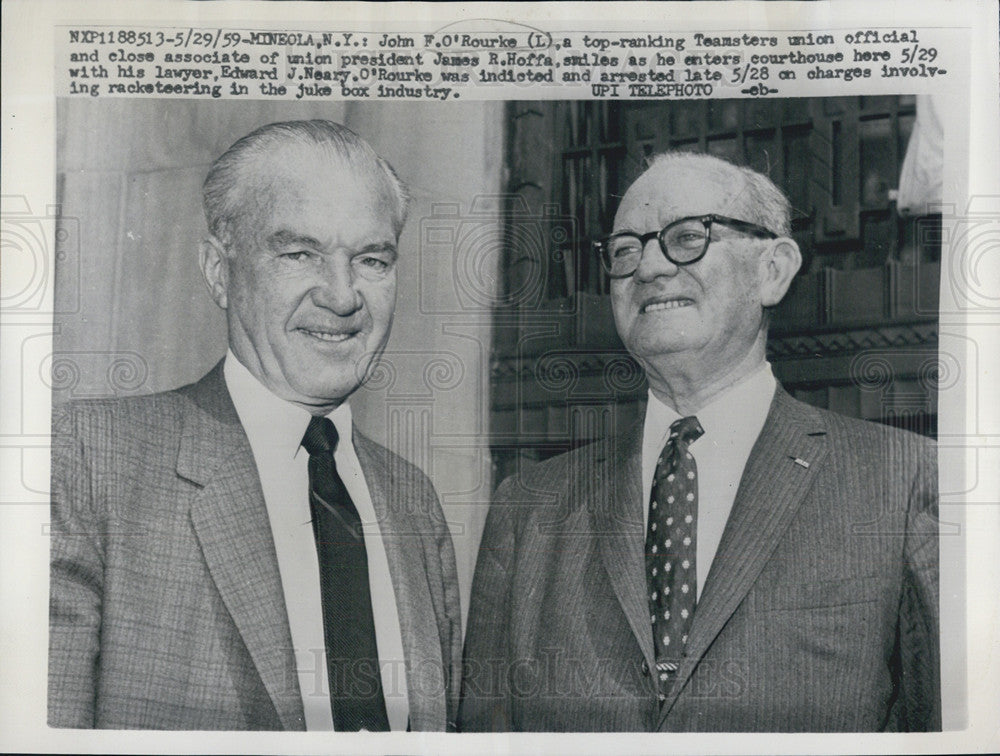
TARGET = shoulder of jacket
x,y
109,416
856,430
556,472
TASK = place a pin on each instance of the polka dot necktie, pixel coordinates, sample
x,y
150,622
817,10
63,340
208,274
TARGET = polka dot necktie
x,y
670,549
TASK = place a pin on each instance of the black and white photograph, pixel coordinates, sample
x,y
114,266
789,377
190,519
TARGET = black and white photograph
x,y
392,396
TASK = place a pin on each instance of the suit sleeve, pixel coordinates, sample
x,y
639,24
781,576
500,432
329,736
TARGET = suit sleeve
x,y
918,707
75,581
452,644
485,696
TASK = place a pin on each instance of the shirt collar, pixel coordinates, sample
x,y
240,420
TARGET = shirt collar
x,y
739,412
270,421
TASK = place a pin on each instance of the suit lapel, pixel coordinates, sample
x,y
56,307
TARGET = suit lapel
x,y
391,497
617,517
231,523
771,489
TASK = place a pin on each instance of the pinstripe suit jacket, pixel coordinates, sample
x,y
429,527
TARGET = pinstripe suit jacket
x,y
819,613
166,606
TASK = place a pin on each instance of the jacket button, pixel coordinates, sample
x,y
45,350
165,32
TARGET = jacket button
x,y
645,668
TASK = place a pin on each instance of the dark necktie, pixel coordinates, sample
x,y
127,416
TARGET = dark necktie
x,y
670,549
348,625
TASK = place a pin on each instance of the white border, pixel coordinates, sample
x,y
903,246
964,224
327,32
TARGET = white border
x,y
28,162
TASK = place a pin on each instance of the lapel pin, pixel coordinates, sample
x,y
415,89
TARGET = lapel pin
x,y
801,462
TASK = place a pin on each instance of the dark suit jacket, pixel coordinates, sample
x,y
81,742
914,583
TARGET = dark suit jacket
x,y
167,609
819,613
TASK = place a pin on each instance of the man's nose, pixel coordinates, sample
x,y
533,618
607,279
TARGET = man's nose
x,y
653,263
335,288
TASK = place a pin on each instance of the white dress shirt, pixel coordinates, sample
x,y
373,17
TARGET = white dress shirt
x,y
275,429
731,423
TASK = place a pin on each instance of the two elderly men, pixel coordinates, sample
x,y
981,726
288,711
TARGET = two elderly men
x,y
235,555
739,561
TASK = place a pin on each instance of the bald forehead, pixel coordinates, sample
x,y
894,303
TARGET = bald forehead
x,y
672,189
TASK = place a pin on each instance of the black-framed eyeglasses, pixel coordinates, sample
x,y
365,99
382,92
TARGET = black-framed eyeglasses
x,y
683,242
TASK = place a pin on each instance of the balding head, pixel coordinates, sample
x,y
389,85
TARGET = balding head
x,y
754,197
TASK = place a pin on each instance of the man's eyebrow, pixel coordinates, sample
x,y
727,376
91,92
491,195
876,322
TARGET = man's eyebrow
x,y
377,247
286,238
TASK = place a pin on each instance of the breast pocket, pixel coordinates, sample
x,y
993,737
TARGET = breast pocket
x,y
822,594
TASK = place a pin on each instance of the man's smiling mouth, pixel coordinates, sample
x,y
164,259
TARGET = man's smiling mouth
x,y
669,304
329,336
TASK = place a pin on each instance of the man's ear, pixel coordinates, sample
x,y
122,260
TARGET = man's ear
x,y
215,268
779,263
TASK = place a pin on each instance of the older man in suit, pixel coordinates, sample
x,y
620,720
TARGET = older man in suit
x,y
739,561
235,554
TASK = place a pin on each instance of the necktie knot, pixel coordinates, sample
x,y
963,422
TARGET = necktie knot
x,y
320,437
687,430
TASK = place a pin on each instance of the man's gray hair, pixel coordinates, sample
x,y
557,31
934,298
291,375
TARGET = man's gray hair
x,y
225,191
762,202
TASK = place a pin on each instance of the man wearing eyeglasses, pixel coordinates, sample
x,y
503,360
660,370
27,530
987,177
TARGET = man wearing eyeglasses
x,y
740,561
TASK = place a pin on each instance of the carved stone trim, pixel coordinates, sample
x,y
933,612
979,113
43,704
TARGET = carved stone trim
x,y
582,362
836,343
850,341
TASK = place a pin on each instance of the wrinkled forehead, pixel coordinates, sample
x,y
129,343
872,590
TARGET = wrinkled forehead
x,y
294,183
291,170
675,189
